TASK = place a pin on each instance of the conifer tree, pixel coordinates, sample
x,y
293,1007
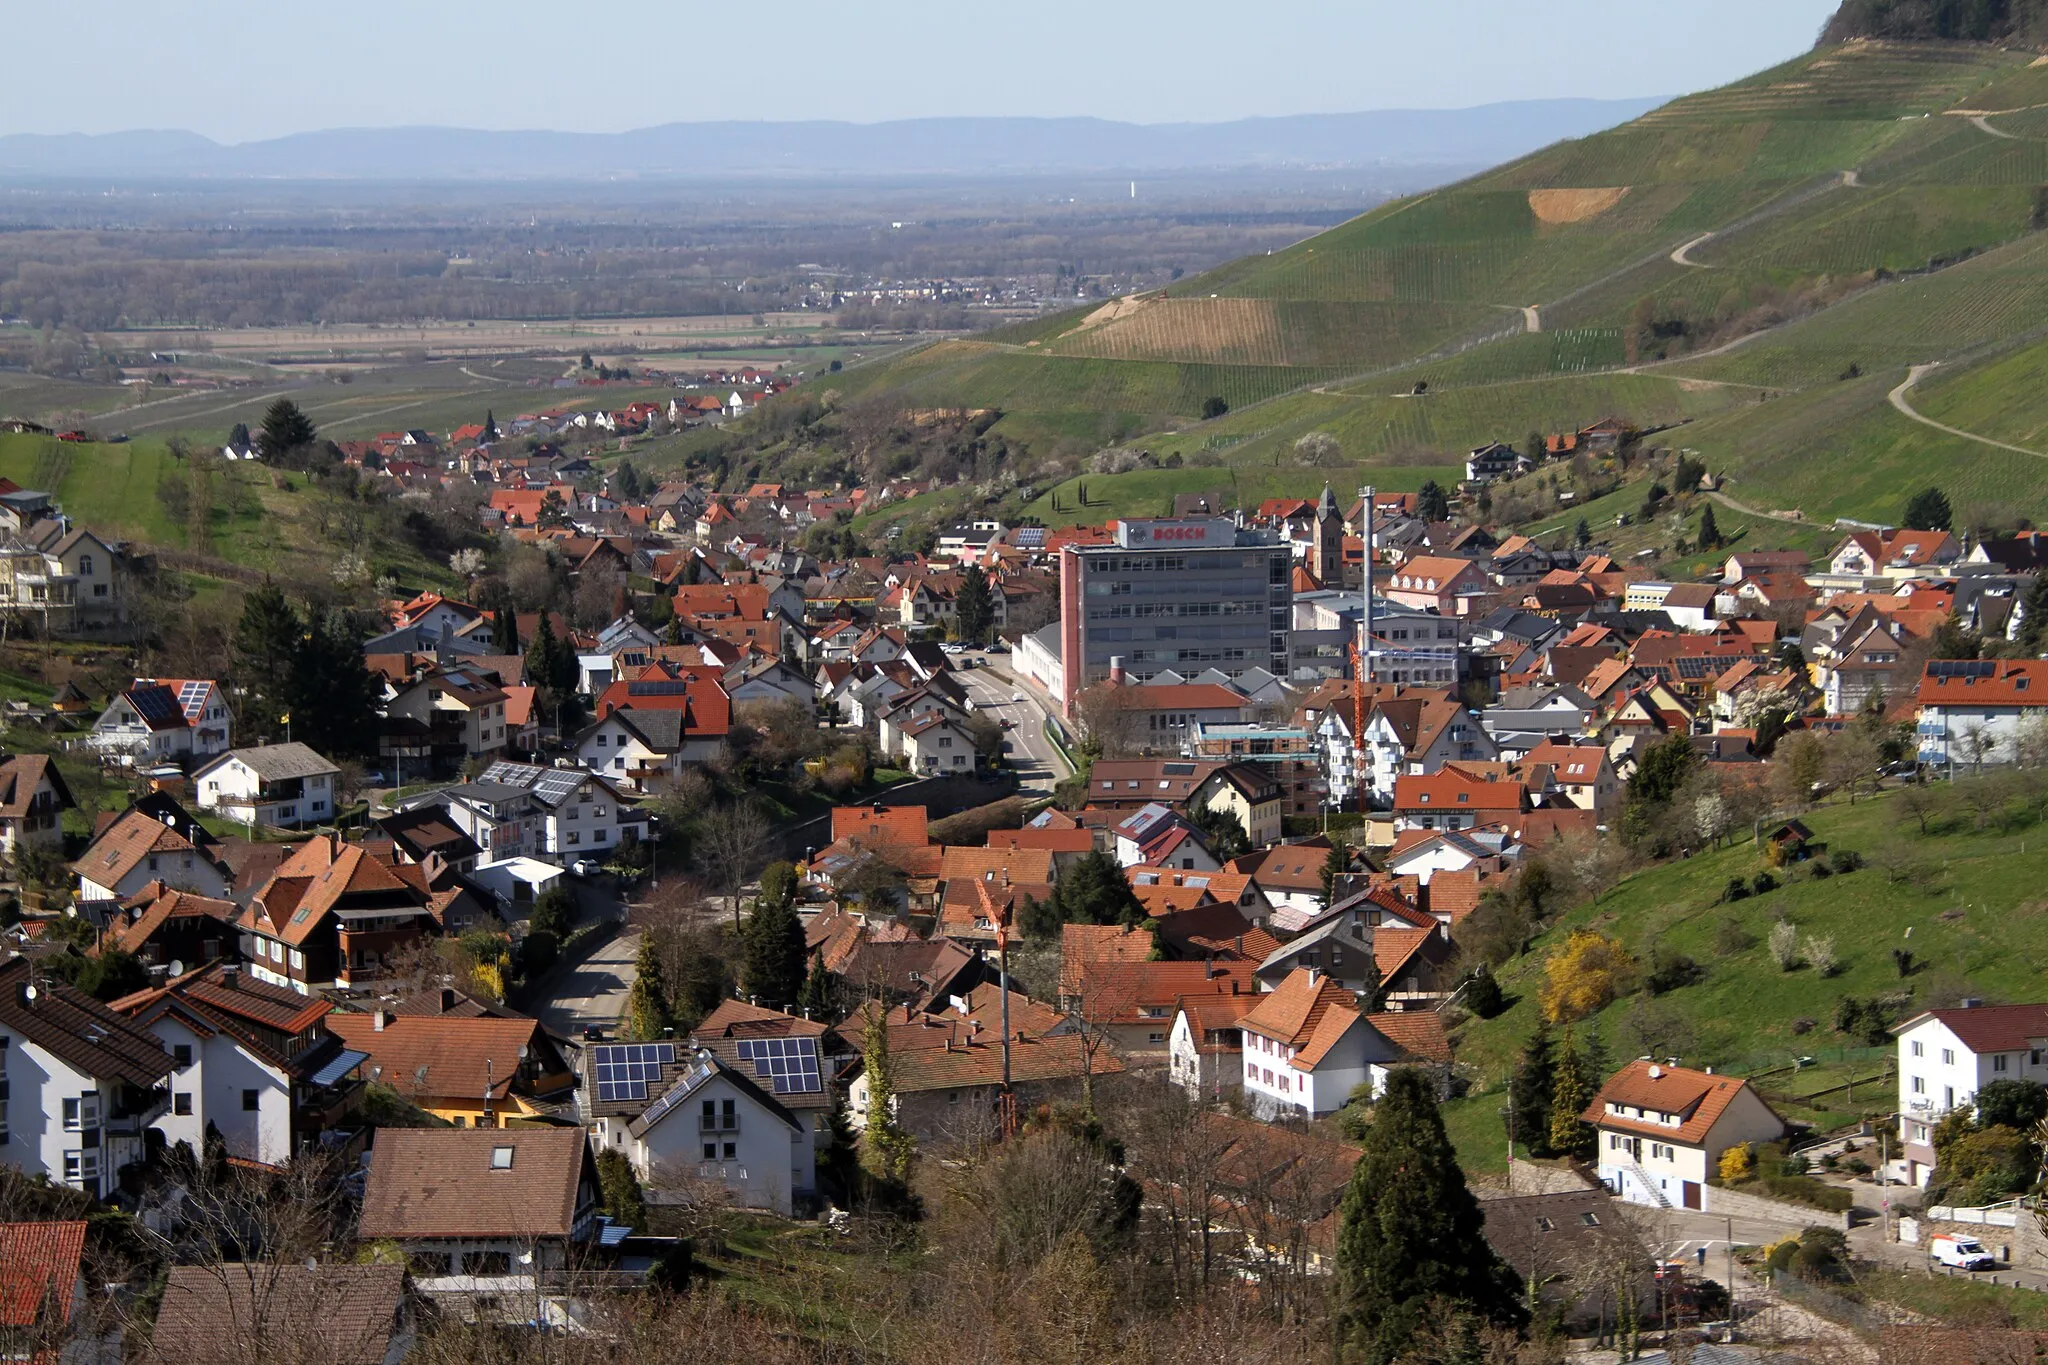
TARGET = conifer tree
x,y
773,964
815,1001
505,630
1529,1093
1571,1091
266,641
1412,1255
647,1003
1710,531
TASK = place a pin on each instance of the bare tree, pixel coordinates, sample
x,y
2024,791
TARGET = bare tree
x,y
1107,721
732,844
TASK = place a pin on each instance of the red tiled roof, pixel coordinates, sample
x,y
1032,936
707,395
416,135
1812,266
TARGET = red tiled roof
x,y
38,1266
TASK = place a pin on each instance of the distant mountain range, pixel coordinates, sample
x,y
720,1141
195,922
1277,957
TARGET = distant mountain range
x,y
1389,137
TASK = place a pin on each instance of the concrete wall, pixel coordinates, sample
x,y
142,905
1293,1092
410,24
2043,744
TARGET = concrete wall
x,y
1740,1205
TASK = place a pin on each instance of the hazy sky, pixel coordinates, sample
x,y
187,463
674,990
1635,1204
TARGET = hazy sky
x,y
243,69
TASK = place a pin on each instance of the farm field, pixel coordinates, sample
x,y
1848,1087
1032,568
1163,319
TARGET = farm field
x,y
602,337
1150,492
2005,398
1971,898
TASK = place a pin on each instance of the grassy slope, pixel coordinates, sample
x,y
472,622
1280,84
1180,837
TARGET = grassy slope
x,y
1743,1013
1758,163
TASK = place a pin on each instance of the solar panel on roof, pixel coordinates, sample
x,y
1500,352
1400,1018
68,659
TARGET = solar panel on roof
x,y
155,704
789,1065
192,696
675,1094
623,1071
657,689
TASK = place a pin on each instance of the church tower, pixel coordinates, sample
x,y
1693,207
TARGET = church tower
x,y
1329,543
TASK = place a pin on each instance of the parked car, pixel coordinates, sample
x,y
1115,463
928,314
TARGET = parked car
x,y
376,778
1009,724
585,867
1964,1253
594,1032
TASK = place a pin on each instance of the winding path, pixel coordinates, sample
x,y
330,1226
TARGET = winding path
x,y
1983,121
1682,256
1533,316
1898,397
1748,511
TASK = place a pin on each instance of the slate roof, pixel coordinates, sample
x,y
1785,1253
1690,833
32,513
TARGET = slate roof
x,y
78,1030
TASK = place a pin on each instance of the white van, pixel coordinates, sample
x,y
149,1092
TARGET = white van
x,y
1965,1253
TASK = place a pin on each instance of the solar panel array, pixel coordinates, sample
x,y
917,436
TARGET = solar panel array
x,y
1962,668
155,704
624,1070
557,785
789,1065
192,697
677,1093
657,689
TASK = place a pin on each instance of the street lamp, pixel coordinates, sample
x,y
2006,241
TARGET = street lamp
x,y
654,850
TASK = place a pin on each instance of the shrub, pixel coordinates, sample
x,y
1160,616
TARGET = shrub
x,y
1763,883
1730,937
1784,946
1902,958
1483,997
1845,860
1804,1189
1803,1025
1737,890
1584,976
1669,971
1819,870
1736,1164
1819,950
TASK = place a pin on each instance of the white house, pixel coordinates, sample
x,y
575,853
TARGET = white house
x,y
165,720
1205,1050
682,1116
79,1084
935,743
1663,1129
1981,710
1308,1046
576,814
153,841
284,785
255,1062
634,749
1947,1055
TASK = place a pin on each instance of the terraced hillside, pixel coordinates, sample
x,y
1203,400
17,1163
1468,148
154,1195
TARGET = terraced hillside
x,y
1766,260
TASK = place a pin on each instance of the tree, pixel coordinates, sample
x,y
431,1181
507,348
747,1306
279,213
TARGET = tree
x,y
1710,530
816,1000
1318,448
772,962
1093,890
1336,865
1530,1088
1107,721
729,845
286,432
331,695
1411,1248
975,605
1432,503
2012,1104
1213,407
552,911
265,643
1663,769
1928,510
1585,975
1582,535
238,436
1535,448
1221,831
619,1187
647,1002
505,630
1572,1089
885,1149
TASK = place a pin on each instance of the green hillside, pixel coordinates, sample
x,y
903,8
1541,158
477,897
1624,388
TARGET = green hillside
x,y
1764,261
1965,901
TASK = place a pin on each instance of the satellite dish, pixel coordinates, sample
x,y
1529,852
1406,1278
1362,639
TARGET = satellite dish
x,y
33,991
177,966
522,1052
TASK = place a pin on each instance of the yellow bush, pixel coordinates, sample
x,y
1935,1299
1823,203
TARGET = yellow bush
x,y
1736,1164
1584,976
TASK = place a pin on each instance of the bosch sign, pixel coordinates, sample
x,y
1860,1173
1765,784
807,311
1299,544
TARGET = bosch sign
x,y
1204,532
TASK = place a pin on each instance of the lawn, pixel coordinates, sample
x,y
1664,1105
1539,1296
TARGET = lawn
x,y
1967,903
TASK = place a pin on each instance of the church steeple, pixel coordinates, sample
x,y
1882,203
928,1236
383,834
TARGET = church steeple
x,y
1329,541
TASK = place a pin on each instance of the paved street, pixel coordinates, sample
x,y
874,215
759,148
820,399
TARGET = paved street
x,y
594,990
994,691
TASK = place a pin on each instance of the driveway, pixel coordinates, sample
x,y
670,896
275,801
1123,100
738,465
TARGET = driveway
x,y
995,692
592,991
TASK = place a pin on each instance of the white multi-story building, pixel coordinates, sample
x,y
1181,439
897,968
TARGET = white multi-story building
x,y
1981,710
576,814
79,1084
1662,1130
1307,1046
165,720
1946,1056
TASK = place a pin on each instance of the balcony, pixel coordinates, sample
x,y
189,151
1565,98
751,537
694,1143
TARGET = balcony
x,y
720,1124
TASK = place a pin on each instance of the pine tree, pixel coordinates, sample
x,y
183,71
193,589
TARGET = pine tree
x,y
2034,617
1571,1091
885,1149
815,1001
1929,511
772,967
505,630
285,431
490,428
1336,864
1529,1093
1412,1255
1432,503
266,642
647,1004
976,606
1582,534
330,693
1710,532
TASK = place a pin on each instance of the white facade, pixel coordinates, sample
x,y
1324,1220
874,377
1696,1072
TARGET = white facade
x,y
236,791
1969,735
1274,1086
720,1132
1939,1072
219,1081
61,1123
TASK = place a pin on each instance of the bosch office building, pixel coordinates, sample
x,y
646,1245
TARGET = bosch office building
x,y
1178,596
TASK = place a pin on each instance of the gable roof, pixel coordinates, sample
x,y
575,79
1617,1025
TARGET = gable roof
x,y
331,1313
38,1270
440,1182
131,837
78,1030
1699,1098
1989,1028
474,1056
